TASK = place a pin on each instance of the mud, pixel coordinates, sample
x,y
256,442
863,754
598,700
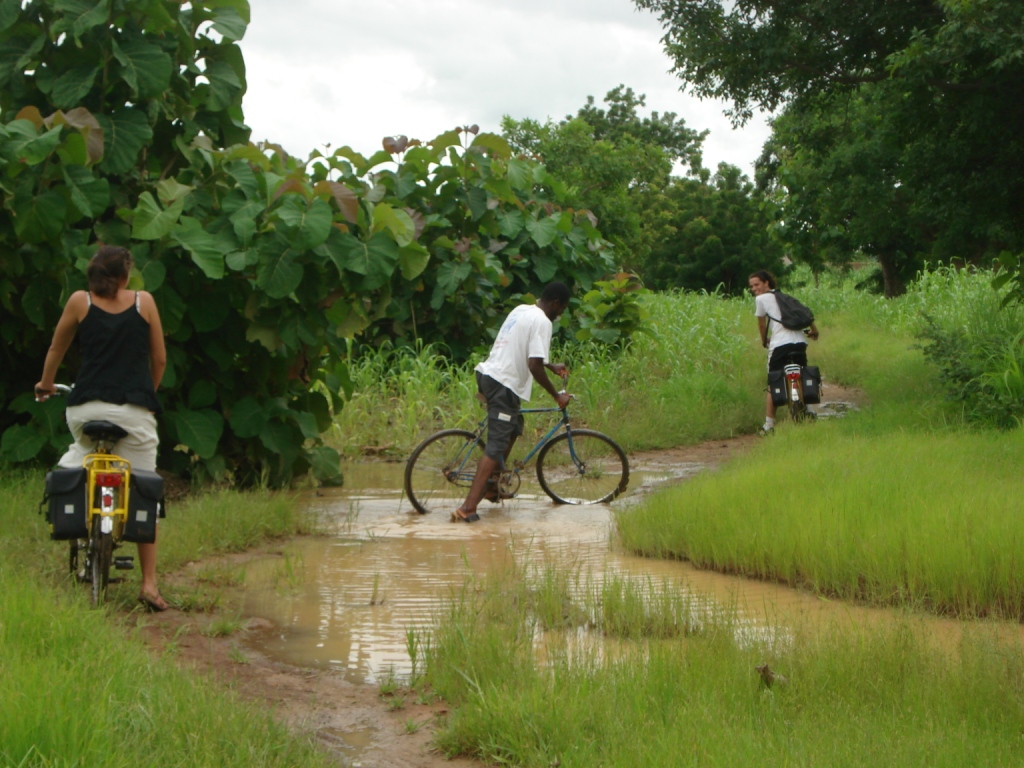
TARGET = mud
x,y
350,718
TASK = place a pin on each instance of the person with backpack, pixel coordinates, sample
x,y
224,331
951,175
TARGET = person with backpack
x,y
781,321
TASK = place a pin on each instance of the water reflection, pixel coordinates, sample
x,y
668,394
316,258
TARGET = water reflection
x,y
354,601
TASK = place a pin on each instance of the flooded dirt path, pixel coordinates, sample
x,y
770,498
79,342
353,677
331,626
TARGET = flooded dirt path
x,y
327,619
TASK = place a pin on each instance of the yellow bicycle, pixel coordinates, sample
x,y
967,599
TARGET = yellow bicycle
x,y
101,504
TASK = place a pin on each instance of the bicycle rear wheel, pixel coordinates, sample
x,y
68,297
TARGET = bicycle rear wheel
x,y
589,469
440,470
101,548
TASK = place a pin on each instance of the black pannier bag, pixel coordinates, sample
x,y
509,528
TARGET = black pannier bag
x,y
810,378
145,505
66,503
777,387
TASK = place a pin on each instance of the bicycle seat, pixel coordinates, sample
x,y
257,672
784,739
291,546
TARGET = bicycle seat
x,y
104,431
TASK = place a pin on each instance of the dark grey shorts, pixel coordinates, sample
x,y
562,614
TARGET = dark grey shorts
x,y
504,421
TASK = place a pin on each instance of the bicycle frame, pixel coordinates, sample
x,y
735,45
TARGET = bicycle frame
x,y
461,471
107,488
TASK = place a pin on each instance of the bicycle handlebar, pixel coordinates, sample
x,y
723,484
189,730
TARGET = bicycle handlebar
x,y
58,389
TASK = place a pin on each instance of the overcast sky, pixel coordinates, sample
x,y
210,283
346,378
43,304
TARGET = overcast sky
x,y
354,71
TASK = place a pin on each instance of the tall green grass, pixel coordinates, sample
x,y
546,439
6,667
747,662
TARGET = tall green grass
x,y
854,696
901,503
911,518
78,689
696,376
75,691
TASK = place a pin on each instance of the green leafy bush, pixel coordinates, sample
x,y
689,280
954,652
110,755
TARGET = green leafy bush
x,y
127,129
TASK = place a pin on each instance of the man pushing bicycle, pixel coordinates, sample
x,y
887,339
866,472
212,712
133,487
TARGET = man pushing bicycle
x,y
518,356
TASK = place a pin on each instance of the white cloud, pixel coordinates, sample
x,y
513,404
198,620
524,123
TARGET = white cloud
x,y
351,72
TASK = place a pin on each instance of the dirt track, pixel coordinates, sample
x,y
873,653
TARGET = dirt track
x,y
351,721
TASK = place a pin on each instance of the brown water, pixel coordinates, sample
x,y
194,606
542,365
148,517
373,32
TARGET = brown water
x,y
348,602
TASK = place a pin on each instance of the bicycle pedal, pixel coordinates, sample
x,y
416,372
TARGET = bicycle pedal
x,y
125,563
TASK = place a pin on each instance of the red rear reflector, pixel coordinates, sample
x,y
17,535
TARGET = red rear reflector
x,y
108,479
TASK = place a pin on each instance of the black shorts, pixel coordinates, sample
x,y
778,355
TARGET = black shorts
x,y
785,354
504,421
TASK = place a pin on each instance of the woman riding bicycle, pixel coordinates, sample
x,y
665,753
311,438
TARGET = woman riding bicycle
x,y
783,344
123,360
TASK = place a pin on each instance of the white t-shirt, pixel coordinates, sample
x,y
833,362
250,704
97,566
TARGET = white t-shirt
x,y
525,333
767,306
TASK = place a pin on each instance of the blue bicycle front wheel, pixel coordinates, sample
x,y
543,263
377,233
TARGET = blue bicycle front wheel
x,y
441,469
582,467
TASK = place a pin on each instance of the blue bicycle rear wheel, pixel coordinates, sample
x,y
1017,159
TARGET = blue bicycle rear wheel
x,y
441,469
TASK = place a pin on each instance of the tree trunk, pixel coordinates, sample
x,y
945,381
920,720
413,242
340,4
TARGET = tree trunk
x,y
894,285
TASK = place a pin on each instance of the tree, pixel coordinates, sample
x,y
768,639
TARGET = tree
x,y
613,162
718,235
264,266
941,81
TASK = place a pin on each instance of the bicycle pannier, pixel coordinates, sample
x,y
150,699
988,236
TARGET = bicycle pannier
x,y
811,380
777,387
145,505
66,503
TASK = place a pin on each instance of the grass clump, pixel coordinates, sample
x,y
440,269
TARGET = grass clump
x,y
924,519
885,695
75,689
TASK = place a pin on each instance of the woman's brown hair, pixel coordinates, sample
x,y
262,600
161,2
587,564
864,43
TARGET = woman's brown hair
x,y
765,277
106,268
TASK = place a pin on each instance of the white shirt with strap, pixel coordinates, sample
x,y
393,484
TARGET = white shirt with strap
x,y
525,333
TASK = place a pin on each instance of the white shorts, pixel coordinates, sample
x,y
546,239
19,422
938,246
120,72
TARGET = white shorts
x,y
139,447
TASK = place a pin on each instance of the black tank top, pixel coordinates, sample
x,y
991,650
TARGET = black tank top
x,y
115,359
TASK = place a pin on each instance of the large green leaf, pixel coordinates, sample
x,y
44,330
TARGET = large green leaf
x,y
71,87
78,17
325,463
35,150
125,132
413,259
278,273
9,10
153,275
21,442
229,23
397,221
451,274
311,222
90,196
248,418
498,145
199,430
544,231
39,218
510,223
376,259
520,175
150,222
545,266
144,66
201,245
307,423
225,85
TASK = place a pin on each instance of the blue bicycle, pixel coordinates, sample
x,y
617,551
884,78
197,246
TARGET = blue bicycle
x,y
574,466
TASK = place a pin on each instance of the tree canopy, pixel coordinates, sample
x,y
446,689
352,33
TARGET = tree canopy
x,y
122,123
900,131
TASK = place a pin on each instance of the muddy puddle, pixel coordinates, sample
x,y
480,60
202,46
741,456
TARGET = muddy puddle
x,y
352,603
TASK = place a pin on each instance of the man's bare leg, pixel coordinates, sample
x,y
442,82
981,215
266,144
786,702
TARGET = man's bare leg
x,y
484,470
487,468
